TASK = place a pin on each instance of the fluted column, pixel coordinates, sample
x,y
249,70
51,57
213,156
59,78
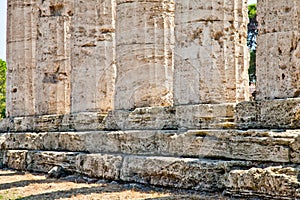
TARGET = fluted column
x,y
53,67
211,55
21,57
278,50
144,42
93,55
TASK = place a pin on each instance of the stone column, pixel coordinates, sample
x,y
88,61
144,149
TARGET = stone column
x,y
278,50
144,42
53,67
21,57
93,55
211,56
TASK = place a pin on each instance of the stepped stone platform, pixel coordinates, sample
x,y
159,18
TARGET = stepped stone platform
x,y
209,148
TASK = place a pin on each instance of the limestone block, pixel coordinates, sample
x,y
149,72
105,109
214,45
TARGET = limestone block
x,y
144,54
276,114
271,182
211,58
100,165
28,141
258,145
278,68
278,16
44,161
142,118
93,53
295,150
83,121
100,141
253,145
21,47
207,116
204,175
15,159
45,123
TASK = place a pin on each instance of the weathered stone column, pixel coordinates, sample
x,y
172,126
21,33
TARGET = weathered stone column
x,y
38,78
93,55
53,53
211,56
21,57
278,50
144,39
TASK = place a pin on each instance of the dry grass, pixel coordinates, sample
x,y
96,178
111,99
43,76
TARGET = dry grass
x,y
18,185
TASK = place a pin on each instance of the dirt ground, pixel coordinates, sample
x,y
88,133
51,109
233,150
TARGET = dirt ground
x,y
22,185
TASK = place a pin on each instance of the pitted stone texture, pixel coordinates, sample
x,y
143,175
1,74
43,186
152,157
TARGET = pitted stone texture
x,y
278,68
252,145
211,57
93,53
214,116
212,10
276,114
51,8
21,61
100,166
53,65
170,118
15,159
50,123
295,150
144,43
206,116
278,16
142,118
271,182
50,38
204,175
44,161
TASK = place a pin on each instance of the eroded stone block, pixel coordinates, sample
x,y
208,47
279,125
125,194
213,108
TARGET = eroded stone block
x,y
276,114
204,175
15,159
44,161
272,182
100,165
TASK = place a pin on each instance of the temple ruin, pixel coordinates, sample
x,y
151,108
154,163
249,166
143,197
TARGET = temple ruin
x,y
155,92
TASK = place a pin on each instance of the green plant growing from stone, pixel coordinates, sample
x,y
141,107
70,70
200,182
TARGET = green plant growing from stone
x,y
2,88
251,41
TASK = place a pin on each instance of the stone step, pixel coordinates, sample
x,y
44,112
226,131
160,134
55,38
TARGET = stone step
x,y
252,145
271,114
188,173
232,178
271,182
206,116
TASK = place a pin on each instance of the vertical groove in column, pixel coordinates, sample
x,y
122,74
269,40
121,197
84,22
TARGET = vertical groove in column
x,y
209,52
53,53
93,53
21,60
144,53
